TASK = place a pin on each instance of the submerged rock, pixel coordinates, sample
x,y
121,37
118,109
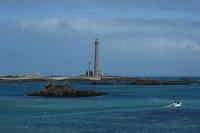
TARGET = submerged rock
x,y
58,90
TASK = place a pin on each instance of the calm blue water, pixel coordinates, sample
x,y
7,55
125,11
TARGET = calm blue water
x,y
127,109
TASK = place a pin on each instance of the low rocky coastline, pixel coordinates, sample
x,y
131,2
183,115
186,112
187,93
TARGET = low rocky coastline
x,y
59,90
142,81
114,80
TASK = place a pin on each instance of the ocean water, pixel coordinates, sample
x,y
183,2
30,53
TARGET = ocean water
x,y
127,109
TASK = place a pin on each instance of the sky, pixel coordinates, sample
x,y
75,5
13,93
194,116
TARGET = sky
x,y
137,37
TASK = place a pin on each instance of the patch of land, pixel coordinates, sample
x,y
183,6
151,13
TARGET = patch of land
x,y
111,80
65,90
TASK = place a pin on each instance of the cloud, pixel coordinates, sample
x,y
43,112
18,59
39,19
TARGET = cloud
x,y
161,4
146,9
53,25
154,35
38,41
183,44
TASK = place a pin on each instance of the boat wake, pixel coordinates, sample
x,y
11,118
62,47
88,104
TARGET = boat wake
x,y
168,106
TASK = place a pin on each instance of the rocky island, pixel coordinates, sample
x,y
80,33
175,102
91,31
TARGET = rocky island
x,y
65,90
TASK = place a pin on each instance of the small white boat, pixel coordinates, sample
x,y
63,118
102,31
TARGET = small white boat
x,y
176,104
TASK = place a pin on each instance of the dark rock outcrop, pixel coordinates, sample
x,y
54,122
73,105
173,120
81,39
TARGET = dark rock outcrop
x,y
58,90
142,81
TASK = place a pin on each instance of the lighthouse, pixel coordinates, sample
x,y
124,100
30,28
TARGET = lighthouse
x,y
96,59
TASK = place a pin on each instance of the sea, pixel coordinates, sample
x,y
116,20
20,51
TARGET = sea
x,y
127,109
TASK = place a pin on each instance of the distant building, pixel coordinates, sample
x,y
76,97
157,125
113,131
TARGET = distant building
x,y
35,75
89,73
13,76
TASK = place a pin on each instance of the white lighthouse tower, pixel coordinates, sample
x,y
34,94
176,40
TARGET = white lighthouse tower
x,y
96,59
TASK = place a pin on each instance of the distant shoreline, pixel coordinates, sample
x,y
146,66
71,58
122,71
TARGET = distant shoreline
x,y
110,80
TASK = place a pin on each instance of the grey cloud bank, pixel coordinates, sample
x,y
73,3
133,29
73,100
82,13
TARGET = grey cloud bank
x,y
162,4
